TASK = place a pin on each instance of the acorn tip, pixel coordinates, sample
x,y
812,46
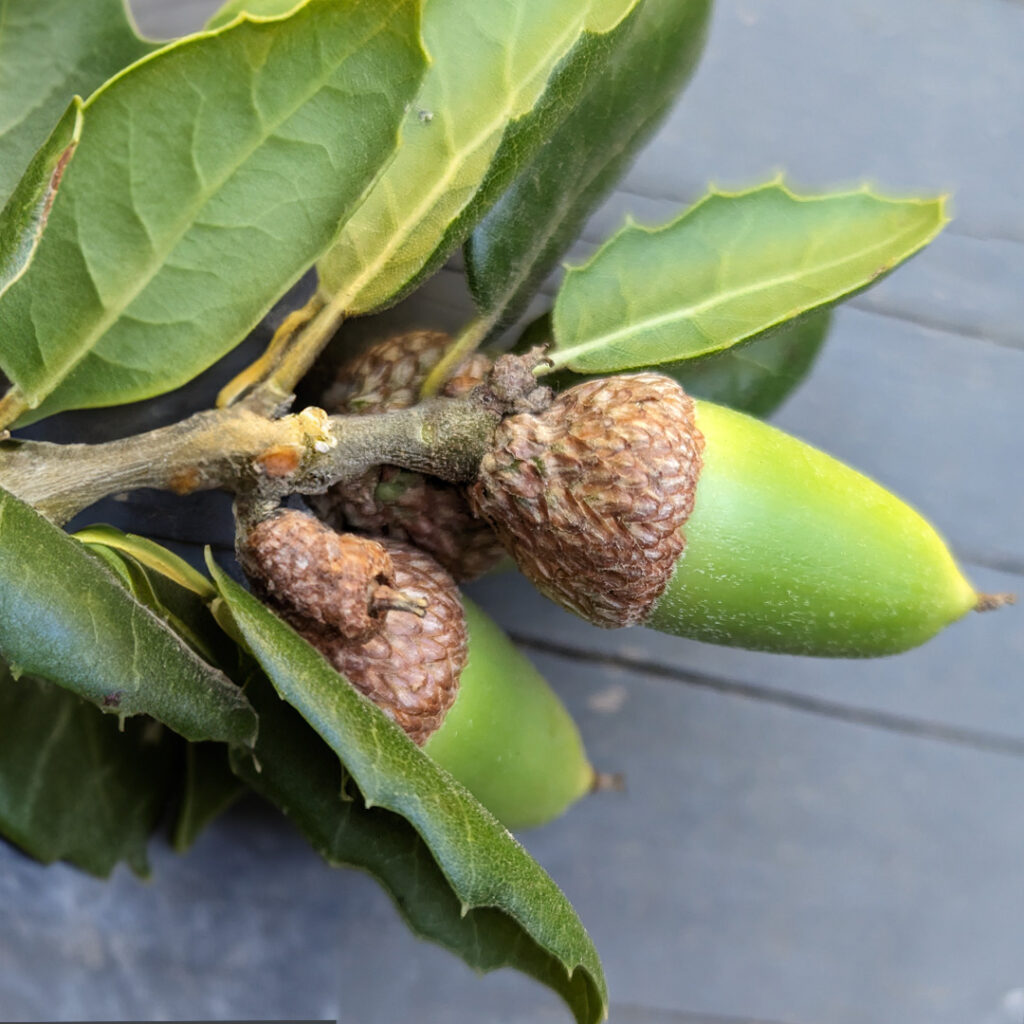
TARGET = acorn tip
x,y
608,782
990,602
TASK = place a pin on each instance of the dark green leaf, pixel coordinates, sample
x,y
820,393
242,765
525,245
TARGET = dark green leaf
x,y
210,788
534,926
168,586
302,776
732,267
65,617
520,241
208,178
51,51
72,785
758,377
177,593
502,77
26,212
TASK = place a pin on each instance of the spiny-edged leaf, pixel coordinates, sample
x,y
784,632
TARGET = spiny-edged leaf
x,y
208,178
51,51
26,212
301,775
731,267
73,786
758,377
513,912
503,74
177,593
521,239
67,618
209,788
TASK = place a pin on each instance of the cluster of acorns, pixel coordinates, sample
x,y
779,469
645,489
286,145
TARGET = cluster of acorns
x,y
625,501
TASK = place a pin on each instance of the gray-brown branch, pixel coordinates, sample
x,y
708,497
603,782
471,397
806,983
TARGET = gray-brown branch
x,y
242,451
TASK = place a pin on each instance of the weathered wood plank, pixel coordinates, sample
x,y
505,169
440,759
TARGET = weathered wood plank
x,y
762,864
966,679
243,927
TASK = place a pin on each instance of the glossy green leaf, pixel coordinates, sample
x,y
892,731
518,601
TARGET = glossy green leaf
x,y
730,268
503,75
73,786
519,242
209,788
183,218
51,51
500,907
26,212
758,377
67,618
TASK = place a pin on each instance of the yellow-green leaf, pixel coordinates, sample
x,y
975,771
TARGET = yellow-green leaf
x,y
502,76
518,243
731,267
24,216
757,377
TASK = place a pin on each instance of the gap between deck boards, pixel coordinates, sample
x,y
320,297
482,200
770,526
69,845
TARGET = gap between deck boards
x,y
974,739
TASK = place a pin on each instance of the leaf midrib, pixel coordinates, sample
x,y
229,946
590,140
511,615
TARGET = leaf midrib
x,y
402,236
160,257
561,357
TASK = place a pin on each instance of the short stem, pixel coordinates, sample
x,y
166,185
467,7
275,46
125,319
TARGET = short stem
x,y
303,350
276,353
461,349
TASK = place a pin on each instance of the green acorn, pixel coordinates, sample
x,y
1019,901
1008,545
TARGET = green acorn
x,y
628,502
508,738
431,661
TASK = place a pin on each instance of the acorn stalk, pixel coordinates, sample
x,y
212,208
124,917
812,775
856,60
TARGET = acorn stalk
x,y
398,503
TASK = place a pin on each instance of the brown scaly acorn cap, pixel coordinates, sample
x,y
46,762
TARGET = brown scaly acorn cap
x,y
431,514
411,668
590,496
335,582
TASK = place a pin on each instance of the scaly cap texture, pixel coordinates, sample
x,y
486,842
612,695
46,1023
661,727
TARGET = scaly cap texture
x,y
590,496
333,581
411,668
397,503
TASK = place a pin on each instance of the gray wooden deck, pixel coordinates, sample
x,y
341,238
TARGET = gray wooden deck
x,y
802,842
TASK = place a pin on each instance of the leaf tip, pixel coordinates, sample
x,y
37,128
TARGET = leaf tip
x,y
945,202
211,563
